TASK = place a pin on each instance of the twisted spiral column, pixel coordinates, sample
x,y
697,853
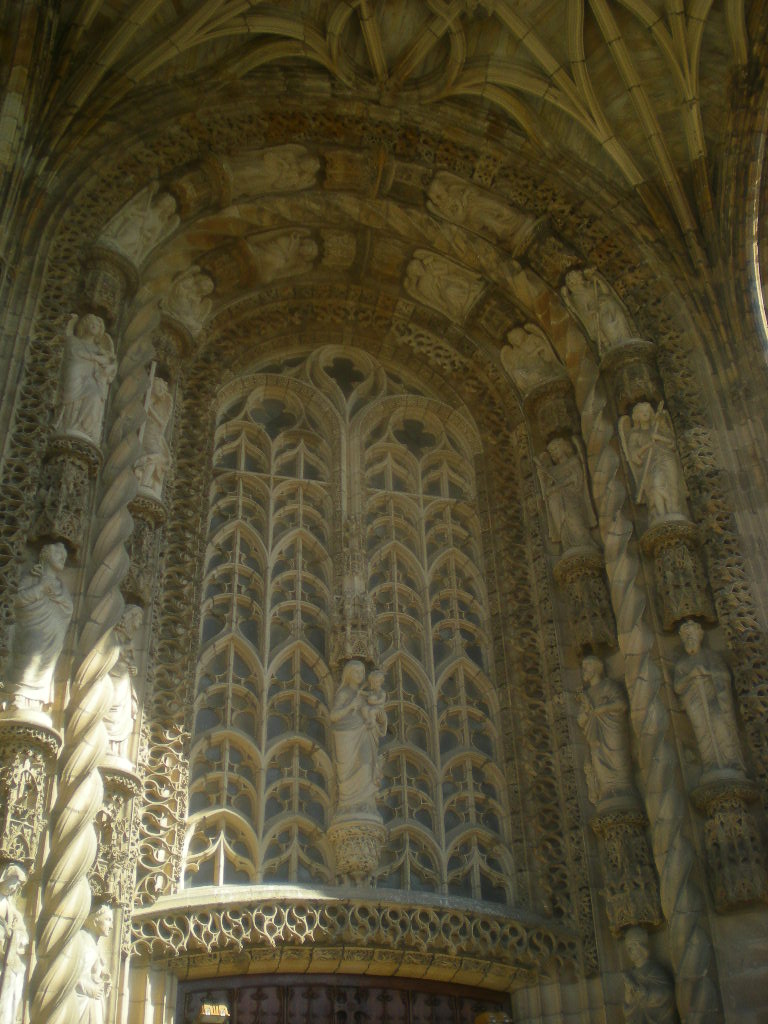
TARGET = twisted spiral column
x,y
666,803
66,892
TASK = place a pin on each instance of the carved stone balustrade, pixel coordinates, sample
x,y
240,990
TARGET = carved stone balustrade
x,y
681,581
341,932
28,751
734,847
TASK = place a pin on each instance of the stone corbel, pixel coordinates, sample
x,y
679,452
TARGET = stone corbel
x,y
112,874
64,494
148,516
632,374
28,754
734,847
581,577
681,582
632,887
110,279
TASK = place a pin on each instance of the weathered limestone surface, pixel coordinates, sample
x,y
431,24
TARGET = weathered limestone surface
x,y
383,512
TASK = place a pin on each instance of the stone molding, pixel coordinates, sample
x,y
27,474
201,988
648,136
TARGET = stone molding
x,y
346,928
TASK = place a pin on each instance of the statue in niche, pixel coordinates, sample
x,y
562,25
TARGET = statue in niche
x,y
89,368
529,359
43,610
590,297
603,719
358,721
153,463
121,715
13,944
462,203
188,299
702,681
280,169
442,284
649,995
278,254
563,478
94,981
141,223
650,449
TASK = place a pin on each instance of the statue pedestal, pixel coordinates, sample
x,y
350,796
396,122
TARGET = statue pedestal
x,y
357,842
736,855
28,749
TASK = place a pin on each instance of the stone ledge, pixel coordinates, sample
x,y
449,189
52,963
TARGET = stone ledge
x,y
247,931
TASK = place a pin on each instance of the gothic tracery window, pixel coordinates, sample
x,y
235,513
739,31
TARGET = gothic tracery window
x,y
302,450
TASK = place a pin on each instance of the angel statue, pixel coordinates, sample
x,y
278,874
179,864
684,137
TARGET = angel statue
x,y
648,440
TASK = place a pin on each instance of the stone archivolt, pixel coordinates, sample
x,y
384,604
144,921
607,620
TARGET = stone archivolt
x,y
508,710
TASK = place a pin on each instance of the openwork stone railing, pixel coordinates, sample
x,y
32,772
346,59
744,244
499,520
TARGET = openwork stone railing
x,y
460,941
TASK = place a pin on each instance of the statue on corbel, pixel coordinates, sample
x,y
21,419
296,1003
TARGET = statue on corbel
x,y
42,613
358,722
603,315
734,847
74,452
144,220
632,889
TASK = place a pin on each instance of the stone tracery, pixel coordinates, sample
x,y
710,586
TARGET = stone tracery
x,y
436,358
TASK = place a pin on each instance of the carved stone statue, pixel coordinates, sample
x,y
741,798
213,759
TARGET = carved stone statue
x,y
43,609
280,169
123,708
142,222
702,681
604,721
188,299
153,463
89,368
442,284
13,944
278,254
563,479
649,995
358,722
529,359
595,303
473,208
94,982
651,451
